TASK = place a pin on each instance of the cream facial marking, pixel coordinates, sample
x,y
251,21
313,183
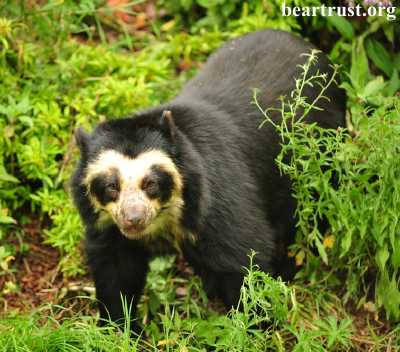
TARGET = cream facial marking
x,y
132,170
136,212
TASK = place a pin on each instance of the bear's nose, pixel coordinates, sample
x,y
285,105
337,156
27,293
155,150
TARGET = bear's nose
x,y
134,215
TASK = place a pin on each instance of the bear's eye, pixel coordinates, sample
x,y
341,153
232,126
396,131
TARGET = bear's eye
x,y
112,186
150,186
104,189
112,190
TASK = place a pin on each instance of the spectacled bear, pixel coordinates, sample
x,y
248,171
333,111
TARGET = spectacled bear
x,y
198,174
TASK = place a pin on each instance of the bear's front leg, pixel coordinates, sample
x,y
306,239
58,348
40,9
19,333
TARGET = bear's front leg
x,y
119,267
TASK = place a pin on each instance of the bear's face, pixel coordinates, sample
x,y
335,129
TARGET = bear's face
x,y
130,179
138,194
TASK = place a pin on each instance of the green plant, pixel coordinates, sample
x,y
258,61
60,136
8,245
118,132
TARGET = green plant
x,y
238,16
270,315
361,206
30,333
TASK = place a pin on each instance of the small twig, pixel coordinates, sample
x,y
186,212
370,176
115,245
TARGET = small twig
x,y
74,287
26,265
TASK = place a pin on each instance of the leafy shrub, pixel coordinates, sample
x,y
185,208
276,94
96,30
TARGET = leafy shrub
x,y
361,205
272,316
235,15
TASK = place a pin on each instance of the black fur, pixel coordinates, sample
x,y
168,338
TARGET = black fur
x,y
235,198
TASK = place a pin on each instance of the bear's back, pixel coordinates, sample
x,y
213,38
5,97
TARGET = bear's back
x,y
267,61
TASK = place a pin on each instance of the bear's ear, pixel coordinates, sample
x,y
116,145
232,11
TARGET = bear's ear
x,y
81,139
167,124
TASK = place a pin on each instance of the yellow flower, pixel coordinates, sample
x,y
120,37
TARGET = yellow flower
x,y
329,241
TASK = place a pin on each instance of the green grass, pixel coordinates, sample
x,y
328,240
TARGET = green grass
x,y
30,333
274,317
68,64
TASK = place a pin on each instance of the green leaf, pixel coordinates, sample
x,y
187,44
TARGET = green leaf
x,y
207,3
342,25
373,88
393,85
4,219
6,177
388,295
346,243
379,56
187,4
321,251
381,258
389,33
396,253
359,71
396,62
